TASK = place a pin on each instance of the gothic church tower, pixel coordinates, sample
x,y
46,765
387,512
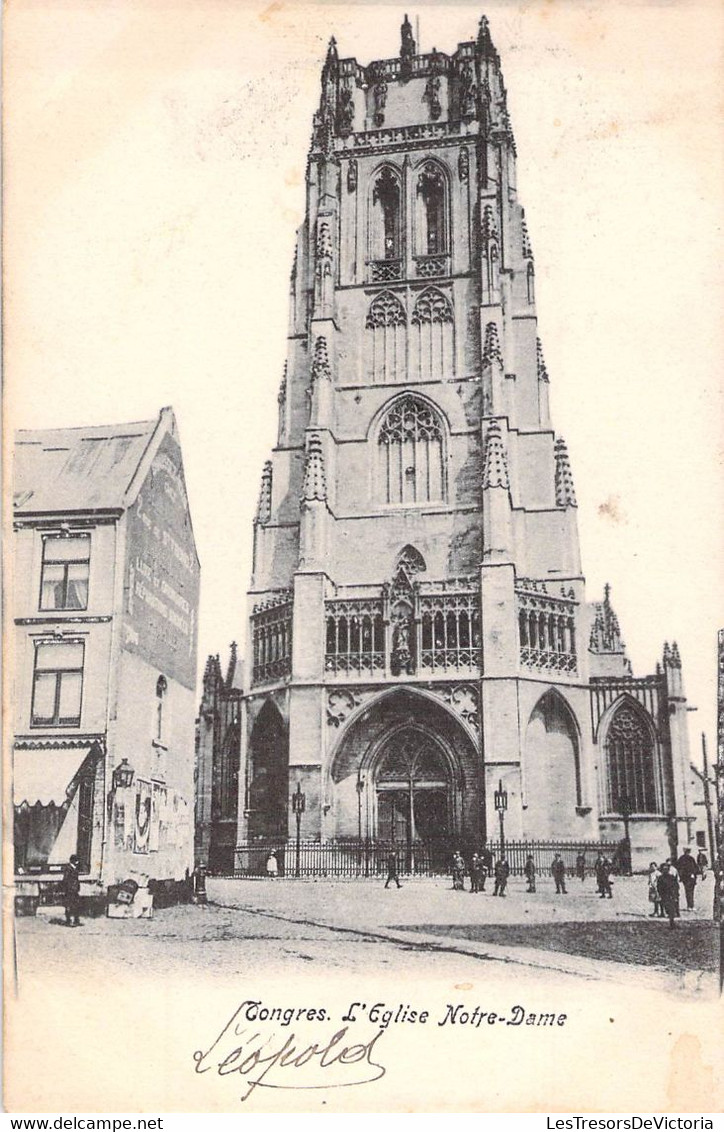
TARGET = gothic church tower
x,y
418,630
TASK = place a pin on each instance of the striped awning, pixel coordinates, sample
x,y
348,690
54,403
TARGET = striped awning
x,y
46,776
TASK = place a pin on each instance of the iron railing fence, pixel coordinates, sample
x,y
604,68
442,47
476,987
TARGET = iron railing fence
x,y
369,858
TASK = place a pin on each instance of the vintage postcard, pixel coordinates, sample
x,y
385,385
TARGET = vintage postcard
x,y
363,555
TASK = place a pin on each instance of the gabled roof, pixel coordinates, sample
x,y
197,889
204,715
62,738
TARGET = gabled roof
x,y
78,469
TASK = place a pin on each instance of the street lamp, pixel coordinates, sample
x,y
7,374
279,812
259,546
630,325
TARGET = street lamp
x,y
121,779
501,805
123,775
624,808
299,805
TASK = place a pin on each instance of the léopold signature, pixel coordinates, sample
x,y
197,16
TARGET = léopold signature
x,y
261,1057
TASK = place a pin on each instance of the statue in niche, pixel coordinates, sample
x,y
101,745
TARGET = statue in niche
x,y
401,659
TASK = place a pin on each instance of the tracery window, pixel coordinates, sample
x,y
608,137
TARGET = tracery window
x,y
431,218
411,561
432,337
630,776
385,241
355,639
450,631
410,453
272,639
387,320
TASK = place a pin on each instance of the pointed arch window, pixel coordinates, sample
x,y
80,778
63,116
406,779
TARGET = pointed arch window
x,y
631,778
387,320
432,344
410,453
411,561
386,226
530,281
432,226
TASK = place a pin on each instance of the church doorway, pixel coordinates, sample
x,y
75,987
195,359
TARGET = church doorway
x,y
406,775
413,789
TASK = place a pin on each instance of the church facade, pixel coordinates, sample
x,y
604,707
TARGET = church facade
x,y
419,632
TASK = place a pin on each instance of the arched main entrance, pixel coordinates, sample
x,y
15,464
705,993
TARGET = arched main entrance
x,y
407,773
414,789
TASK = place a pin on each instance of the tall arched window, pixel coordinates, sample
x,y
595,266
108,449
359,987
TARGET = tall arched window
x,y
433,354
630,768
410,453
386,226
530,281
387,320
431,214
161,689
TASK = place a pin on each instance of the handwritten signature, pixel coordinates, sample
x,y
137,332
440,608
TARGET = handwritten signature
x,y
260,1058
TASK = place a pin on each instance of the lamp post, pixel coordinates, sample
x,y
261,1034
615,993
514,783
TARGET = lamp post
x,y
624,808
299,805
501,805
360,790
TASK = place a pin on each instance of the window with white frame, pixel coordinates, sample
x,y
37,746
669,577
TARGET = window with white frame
x,y
57,683
65,571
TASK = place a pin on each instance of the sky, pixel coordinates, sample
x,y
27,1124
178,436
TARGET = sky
x,y
154,179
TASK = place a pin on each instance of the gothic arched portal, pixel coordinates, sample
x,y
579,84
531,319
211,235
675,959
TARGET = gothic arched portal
x,y
413,789
408,770
269,771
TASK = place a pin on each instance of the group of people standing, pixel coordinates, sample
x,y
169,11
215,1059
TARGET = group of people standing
x,y
482,865
665,881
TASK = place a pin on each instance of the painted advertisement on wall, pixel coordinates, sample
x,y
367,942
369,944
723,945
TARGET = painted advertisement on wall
x,y
162,571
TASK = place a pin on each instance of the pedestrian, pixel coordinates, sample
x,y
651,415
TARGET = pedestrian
x,y
688,871
529,871
558,869
272,866
71,892
483,871
603,877
668,887
703,863
487,858
502,872
675,874
475,873
392,871
654,898
458,872
581,866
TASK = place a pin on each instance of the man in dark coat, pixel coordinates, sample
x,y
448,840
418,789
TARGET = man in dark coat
x,y
558,870
668,887
688,871
71,892
392,871
529,871
475,873
603,877
502,871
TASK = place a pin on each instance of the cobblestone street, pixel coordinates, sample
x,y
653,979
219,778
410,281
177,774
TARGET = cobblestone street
x,y
349,926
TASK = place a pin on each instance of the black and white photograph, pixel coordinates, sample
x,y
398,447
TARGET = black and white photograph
x,y
363,553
